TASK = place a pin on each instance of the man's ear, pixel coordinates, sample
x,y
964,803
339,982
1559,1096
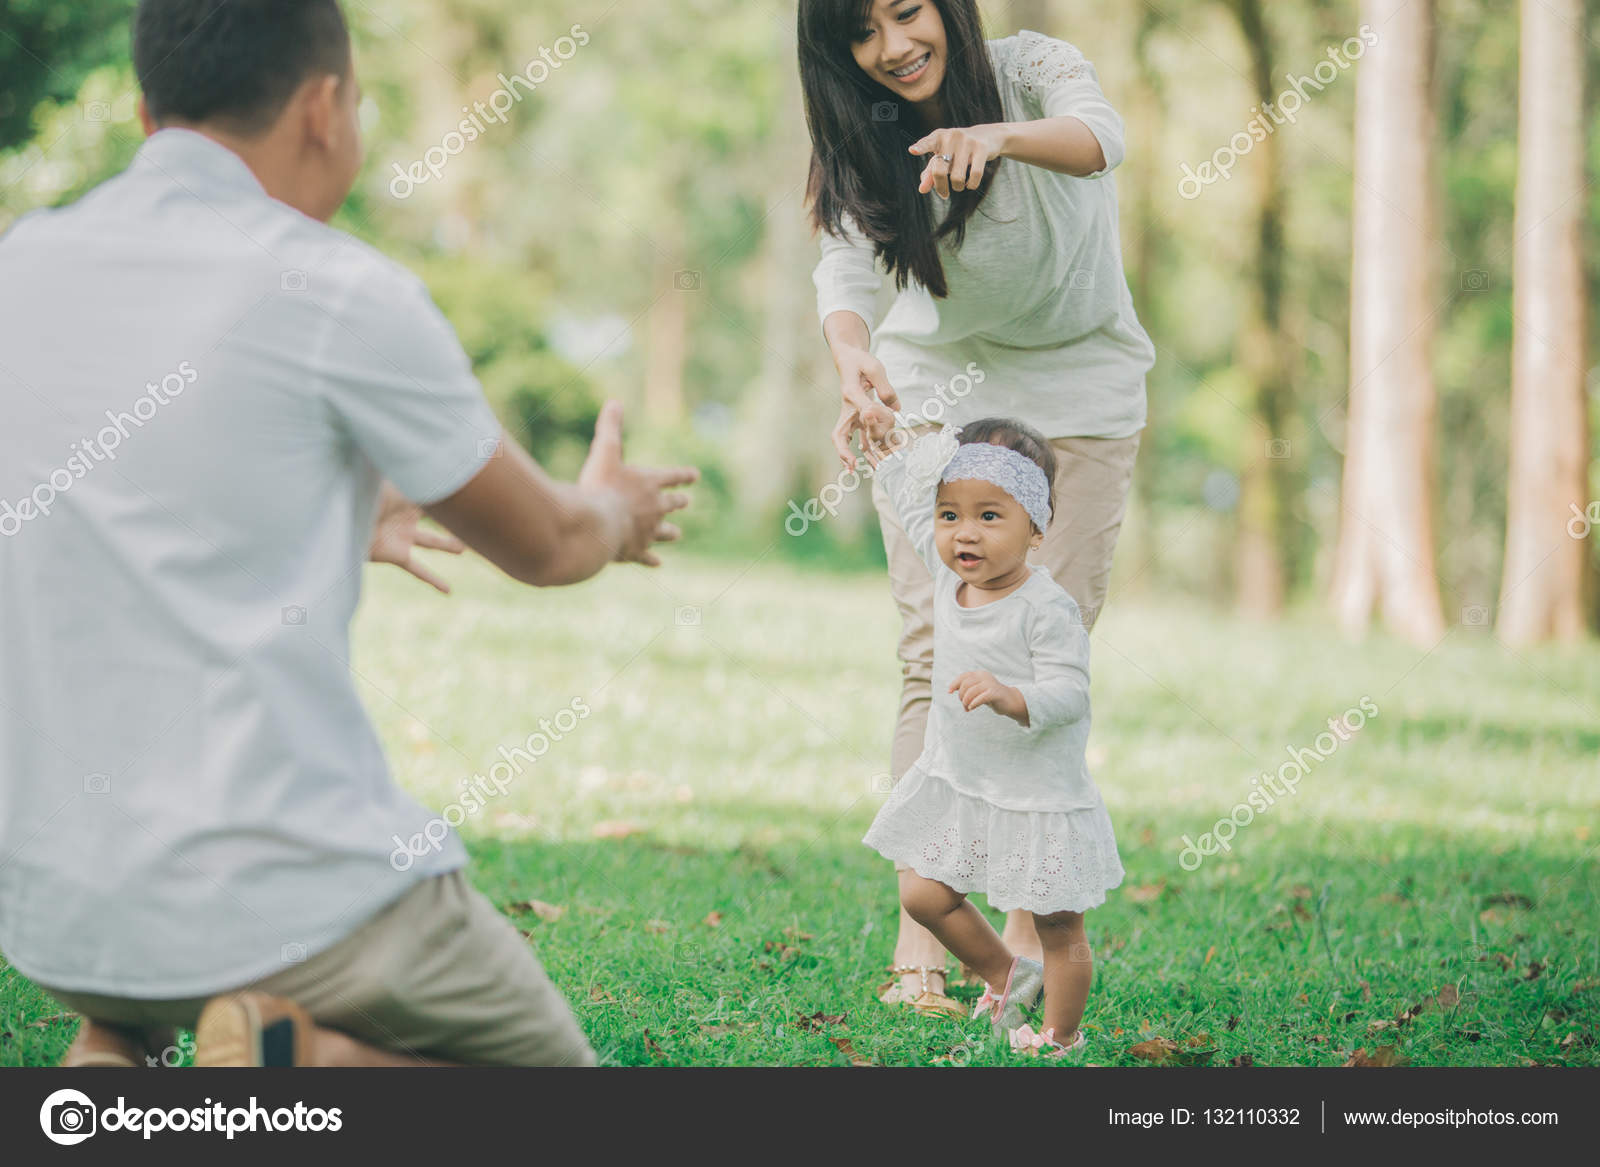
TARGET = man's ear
x,y
319,101
145,120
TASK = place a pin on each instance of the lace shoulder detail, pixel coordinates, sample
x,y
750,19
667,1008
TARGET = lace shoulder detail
x,y
1038,63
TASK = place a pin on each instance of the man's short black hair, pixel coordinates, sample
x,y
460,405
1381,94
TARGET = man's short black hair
x,y
234,62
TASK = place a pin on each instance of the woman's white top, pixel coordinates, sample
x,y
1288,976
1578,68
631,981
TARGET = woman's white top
x,y
1033,639
1038,298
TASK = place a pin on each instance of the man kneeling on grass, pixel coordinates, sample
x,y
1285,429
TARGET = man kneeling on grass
x,y
213,402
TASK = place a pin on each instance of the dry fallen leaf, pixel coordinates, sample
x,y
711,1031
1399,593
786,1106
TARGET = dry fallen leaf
x,y
1366,991
1511,899
934,1004
599,996
615,829
1534,969
1157,1050
1300,891
1242,1062
1449,996
849,1051
714,920
796,934
547,912
1233,1022
656,927
1210,952
1414,1012
1384,1055
1147,893
1500,958
818,1021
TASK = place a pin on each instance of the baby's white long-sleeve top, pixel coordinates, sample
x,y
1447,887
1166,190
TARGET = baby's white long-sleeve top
x,y
1033,639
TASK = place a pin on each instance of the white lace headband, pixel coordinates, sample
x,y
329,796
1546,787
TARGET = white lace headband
x,y
941,457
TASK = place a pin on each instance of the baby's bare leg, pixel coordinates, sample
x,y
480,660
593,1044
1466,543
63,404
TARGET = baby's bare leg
x,y
1021,936
1068,971
959,926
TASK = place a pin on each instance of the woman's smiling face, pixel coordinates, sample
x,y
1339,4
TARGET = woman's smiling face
x,y
902,48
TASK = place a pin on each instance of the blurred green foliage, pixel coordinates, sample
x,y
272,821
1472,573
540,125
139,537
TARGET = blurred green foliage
x,y
669,146
46,49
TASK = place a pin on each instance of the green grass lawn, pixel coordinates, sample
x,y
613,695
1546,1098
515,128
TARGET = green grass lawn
x,y
699,830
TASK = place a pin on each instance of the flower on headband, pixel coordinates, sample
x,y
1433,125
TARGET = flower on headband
x,y
929,455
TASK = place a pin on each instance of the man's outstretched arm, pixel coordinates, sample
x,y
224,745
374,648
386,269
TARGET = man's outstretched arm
x,y
548,533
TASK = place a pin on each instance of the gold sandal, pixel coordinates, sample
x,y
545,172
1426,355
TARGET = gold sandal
x,y
927,1002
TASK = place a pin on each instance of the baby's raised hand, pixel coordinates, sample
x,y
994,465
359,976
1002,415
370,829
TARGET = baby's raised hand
x,y
981,688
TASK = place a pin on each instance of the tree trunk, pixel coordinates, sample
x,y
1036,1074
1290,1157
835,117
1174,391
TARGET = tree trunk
x,y
1541,592
1262,569
667,332
1385,557
1147,116
784,413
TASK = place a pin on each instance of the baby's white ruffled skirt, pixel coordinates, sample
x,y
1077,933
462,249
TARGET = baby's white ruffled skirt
x,y
1038,860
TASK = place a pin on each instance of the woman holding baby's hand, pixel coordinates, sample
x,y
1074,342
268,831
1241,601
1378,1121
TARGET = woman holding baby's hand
x,y
978,174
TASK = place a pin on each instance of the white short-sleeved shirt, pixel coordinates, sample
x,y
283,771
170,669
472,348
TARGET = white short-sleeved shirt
x,y
202,391
1033,639
1038,301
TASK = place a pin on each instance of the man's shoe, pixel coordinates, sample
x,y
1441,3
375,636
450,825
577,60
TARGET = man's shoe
x,y
253,1029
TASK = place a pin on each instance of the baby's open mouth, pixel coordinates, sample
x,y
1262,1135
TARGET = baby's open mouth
x,y
967,557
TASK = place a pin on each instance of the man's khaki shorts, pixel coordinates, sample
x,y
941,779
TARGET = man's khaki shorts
x,y
439,973
1093,479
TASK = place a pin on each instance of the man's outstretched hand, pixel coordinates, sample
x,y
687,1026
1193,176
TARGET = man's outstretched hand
x,y
399,532
642,494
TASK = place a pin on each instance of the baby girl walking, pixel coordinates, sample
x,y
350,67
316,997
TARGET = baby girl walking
x,y
1000,800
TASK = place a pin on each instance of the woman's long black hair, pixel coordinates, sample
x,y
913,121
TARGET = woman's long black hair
x,y
861,134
